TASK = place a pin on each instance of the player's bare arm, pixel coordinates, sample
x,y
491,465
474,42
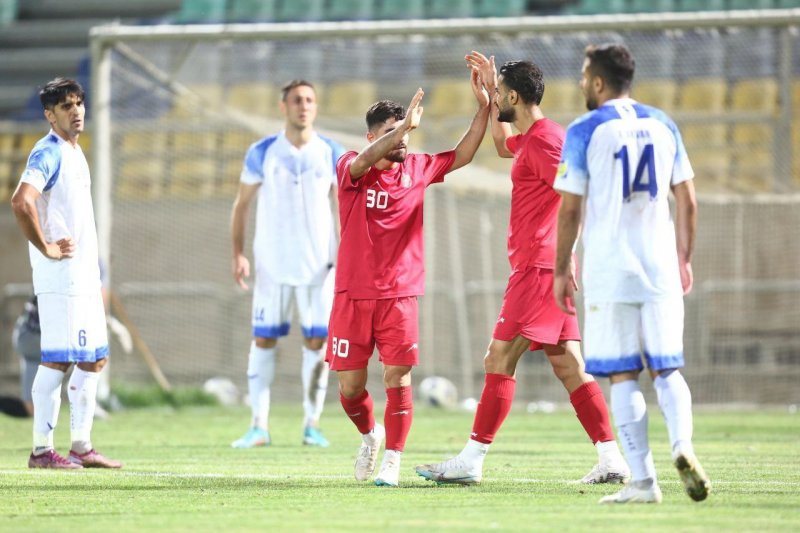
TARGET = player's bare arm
x,y
468,145
23,202
488,73
389,140
241,207
569,222
685,229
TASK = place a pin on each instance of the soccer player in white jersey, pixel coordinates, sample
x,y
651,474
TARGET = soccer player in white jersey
x,y
622,159
53,206
293,174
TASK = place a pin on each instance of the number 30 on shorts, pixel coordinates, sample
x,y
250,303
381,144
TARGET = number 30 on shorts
x,y
341,347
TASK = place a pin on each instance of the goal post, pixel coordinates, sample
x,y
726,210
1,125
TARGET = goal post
x,y
174,108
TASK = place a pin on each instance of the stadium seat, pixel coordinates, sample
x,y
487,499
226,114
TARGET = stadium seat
x,y
234,146
186,106
350,10
201,11
251,10
598,7
751,4
194,164
701,5
754,160
299,11
401,9
652,6
142,168
661,93
787,3
8,12
445,9
257,98
563,98
451,99
348,98
704,95
7,175
500,8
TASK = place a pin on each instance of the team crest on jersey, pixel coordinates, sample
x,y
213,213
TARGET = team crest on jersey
x,y
562,170
405,181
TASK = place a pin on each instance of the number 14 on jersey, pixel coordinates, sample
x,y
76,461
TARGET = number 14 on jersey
x,y
646,162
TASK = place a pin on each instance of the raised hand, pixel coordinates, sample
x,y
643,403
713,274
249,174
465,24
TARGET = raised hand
x,y
414,111
481,95
485,67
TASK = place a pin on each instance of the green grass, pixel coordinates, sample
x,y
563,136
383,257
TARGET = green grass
x,y
181,475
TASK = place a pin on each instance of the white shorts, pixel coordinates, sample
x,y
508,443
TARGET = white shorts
x,y
272,307
73,328
616,335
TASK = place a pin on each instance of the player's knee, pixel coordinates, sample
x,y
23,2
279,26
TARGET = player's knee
x,y
498,361
95,366
314,343
351,390
396,376
263,342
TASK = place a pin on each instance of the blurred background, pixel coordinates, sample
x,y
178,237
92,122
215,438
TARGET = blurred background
x,y
185,102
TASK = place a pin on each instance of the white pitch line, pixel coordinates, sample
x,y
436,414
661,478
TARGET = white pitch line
x,y
219,475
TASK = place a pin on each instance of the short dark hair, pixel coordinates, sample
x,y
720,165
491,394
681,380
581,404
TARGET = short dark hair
x,y
614,63
380,112
286,89
526,78
56,91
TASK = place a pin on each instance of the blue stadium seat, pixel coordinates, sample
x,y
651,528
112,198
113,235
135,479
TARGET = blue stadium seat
x,y
251,10
445,9
401,9
500,8
300,11
350,10
201,11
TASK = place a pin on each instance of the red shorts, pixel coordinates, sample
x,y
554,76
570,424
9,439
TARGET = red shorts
x,y
358,326
529,309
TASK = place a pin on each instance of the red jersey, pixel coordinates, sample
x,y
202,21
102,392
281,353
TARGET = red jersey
x,y
381,251
534,202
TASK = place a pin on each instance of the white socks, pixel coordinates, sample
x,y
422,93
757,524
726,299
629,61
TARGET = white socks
x,y
607,451
82,393
315,384
260,373
46,394
630,417
675,401
474,452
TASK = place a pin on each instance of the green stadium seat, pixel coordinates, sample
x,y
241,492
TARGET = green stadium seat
x,y
599,7
787,3
401,9
652,6
350,10
701,5
500,8
751,4
201,11
8,11
251,10
446,9
299,11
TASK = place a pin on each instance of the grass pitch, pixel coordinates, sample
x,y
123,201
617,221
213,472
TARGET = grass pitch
x,y
181,475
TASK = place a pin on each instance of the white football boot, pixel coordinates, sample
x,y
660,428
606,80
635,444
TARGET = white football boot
x,y
453,471
633,493
368,452
609,470
692,474
389,474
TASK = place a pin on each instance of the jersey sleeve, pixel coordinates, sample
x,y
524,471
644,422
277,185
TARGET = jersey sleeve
x,y
253,170
437,165
546,159
43,167
345,181
512,143
573,172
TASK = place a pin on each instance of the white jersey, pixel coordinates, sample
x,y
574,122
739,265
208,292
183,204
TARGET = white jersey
x,y
58,170
624,157
295,237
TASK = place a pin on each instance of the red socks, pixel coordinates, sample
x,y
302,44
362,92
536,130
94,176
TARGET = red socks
x,y
590,406
496,399
359,409
398,416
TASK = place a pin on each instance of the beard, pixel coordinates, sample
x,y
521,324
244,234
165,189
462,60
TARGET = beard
x,y
506,115
591,102
397,155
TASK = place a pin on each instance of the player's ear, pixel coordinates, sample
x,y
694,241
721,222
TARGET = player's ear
x,y
513,97
370,136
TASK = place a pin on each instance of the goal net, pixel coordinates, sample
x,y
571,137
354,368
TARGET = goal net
x,y
175,108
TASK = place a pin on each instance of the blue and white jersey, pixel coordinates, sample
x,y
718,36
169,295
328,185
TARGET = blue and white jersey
x,y
58,170
295,237
624,157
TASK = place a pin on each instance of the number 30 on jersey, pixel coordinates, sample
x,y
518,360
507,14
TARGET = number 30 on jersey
x,y
377,199
340,347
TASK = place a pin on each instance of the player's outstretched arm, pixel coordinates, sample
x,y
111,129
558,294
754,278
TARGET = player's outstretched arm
x,y
569,222
488,73
389,140
23,202
241,207
468,145
685,229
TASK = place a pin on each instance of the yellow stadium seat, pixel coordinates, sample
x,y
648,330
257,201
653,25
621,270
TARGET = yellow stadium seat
x,y
193,178
254,98
8,181
142,170
348,98
753,171
756,95
563,99
704,96
796,152
200,95
234,146
711,169
450,99
26,142
661,93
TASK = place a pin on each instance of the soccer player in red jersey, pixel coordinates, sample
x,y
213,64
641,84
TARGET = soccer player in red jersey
x,y
529,319
380,270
